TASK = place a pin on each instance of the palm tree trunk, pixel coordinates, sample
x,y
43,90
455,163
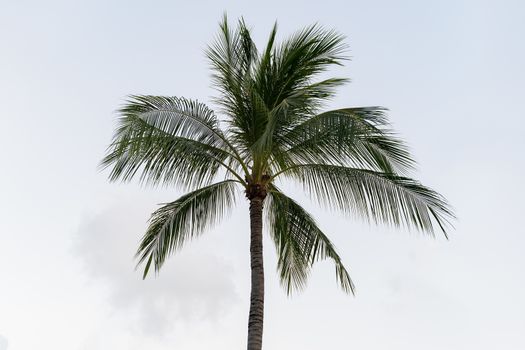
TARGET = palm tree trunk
x,y
255,321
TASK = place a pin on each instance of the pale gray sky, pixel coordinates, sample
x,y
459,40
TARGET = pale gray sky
x,y
451,73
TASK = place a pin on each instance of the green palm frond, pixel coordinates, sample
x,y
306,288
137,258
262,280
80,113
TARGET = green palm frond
x,y
287,85
378,197
358,137
177,116
171,140
299,243
294,110
298,60
175,223
231,57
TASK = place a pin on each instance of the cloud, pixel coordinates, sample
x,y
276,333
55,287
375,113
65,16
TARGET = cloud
x,y
194,284
3,343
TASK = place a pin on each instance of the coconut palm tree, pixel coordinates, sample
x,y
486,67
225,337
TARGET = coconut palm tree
x,y
273,128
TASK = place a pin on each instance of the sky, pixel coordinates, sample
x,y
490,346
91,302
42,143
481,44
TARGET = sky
x,y
451,74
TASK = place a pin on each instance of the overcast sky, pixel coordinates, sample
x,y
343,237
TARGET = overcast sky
x,y
451,73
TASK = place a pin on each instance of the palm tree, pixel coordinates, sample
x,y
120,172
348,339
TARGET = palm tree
x,y
272,129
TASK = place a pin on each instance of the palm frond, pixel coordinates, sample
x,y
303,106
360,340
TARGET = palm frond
x,y
287,86
177,116
231,57
357,137
169,139
301,58
293,110
378,197
175,223
299,243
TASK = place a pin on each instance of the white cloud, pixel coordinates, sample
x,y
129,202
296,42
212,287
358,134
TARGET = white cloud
x,y
3,343
194,284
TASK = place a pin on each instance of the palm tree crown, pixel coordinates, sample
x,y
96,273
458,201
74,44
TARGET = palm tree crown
x,y
273,128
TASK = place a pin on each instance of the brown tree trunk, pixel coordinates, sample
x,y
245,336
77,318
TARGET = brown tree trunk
x,y
255,321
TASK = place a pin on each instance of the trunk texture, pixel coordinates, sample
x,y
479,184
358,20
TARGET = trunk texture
x,y
255,321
